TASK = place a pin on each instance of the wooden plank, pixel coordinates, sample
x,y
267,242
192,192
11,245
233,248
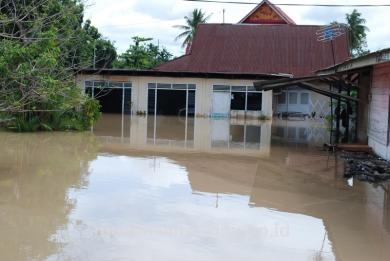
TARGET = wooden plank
x,y
354,147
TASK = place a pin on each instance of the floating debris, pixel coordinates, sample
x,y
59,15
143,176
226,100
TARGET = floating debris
x,y
366,167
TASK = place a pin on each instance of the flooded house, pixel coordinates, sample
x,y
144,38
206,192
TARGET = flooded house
x,y
372,74
215,77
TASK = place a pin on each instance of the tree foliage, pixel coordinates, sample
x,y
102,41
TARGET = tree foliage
x,y
100,52
191,23
39,49
143,55
357,33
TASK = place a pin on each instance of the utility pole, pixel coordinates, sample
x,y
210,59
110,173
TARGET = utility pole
x,y
94,55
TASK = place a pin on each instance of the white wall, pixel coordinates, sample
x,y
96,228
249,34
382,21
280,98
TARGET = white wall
x,y
203,96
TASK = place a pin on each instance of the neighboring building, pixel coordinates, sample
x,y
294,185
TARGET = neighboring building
x,y
216,77
373,74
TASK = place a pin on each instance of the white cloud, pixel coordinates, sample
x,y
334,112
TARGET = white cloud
x,y
120,20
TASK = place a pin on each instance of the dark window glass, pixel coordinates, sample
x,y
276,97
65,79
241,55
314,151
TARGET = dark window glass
x,y
221,88
282,98
163,86
88,91
179,86
292,98
304,98
191,86
151,85
237,101
115,84
191,102
239,88
254,101
99,84
151,97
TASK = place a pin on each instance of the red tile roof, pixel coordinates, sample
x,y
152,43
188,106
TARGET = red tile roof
x,y
258,49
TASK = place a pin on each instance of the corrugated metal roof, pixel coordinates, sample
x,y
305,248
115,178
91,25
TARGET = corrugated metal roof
x,y
259,49
367,60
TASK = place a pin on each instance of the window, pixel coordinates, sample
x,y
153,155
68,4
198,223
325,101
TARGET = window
x,y
107,84
174,86
282,98
99,84
163,86
237,101
292,98
115,84
254,101
304,98
239,88
88,84
179,86
242,97
221,88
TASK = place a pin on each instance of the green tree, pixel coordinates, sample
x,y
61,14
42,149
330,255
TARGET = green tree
x,y
357,33
99,52
38,54
143,55
191,23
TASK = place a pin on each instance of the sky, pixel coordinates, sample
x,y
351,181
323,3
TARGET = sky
x,y
120,20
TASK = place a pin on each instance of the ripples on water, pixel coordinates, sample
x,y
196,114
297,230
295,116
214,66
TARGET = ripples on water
x,y
145,188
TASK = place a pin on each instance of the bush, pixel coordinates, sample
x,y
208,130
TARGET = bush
x,y
78,119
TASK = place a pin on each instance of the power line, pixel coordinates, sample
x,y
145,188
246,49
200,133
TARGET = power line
x,y
290,4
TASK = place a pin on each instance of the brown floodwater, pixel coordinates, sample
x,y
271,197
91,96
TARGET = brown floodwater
x,y
168,188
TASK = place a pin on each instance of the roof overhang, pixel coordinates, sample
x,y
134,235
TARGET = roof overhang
x,y
177,74
368,60
309,83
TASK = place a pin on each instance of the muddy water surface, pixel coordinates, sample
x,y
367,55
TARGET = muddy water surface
x,y
167,188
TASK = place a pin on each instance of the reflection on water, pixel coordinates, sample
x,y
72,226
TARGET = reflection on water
x,y
36,172
82,196
196,134
302,133
171,131
205,134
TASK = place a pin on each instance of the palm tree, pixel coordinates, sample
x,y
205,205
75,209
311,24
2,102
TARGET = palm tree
x,y
357,32
195,18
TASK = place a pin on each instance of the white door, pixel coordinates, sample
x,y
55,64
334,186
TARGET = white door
x,y
221,104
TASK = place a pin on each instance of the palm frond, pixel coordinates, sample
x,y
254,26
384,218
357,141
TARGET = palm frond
x,y
196,17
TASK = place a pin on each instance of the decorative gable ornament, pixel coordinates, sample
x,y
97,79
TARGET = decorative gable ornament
x,y
266,13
